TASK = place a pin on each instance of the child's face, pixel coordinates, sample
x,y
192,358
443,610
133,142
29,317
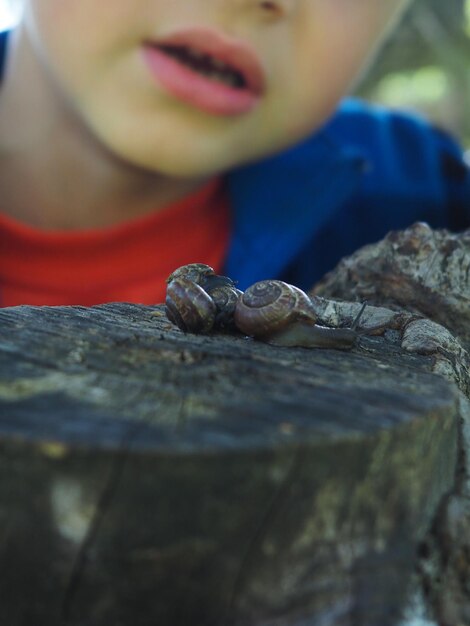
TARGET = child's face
x,y
310,50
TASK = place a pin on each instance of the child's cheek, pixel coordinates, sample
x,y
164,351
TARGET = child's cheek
x,y
79,35
334,40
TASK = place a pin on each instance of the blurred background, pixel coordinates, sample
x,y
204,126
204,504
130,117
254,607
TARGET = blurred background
x,y
423,67
8,13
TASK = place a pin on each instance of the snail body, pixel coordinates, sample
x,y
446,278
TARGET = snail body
x,y
307,335
283,315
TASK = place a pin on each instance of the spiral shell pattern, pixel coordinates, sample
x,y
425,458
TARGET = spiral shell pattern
x,y
271,305
189,306
195,272
225,299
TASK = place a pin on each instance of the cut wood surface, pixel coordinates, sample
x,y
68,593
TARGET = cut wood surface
x,y
154,477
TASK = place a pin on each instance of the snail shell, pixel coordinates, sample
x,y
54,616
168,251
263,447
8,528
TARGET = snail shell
x,y
189,306
225,295
220,289
195,272
225,299
269,306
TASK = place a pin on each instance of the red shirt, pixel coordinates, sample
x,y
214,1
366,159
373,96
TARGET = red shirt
x,y
128,262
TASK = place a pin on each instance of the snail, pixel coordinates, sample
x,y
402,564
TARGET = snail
x,y
195,272
225,297
198,300
189,306
283,315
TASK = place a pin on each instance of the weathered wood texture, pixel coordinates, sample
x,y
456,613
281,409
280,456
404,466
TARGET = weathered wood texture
x,y
424,272
419,270
151,477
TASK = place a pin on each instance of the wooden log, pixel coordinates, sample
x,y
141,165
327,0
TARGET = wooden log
x,y
152,477
423,272
419,270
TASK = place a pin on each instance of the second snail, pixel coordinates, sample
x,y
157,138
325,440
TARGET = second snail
x,y
198,300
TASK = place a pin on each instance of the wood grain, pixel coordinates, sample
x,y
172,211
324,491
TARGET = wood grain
x,y
152,477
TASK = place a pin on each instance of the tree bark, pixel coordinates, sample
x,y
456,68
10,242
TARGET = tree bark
x,y
420,272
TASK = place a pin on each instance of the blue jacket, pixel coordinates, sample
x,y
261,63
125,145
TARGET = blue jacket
x,y
367,171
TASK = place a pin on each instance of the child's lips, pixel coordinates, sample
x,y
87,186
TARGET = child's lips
x,y
188,84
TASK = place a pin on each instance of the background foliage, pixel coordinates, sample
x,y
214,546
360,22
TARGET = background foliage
x,y
425,65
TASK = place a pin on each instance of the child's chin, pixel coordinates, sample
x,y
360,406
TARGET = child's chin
x,y
176,157
192,165
155,160
180,168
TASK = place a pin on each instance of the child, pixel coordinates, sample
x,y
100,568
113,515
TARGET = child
x,y
140,135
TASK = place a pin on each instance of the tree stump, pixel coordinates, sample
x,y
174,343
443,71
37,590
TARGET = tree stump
x,y
152,477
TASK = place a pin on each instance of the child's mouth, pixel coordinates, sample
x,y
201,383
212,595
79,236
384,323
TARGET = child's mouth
x,y
206,65
204,68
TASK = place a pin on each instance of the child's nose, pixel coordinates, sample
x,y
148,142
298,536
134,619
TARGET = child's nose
x,y
270,8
